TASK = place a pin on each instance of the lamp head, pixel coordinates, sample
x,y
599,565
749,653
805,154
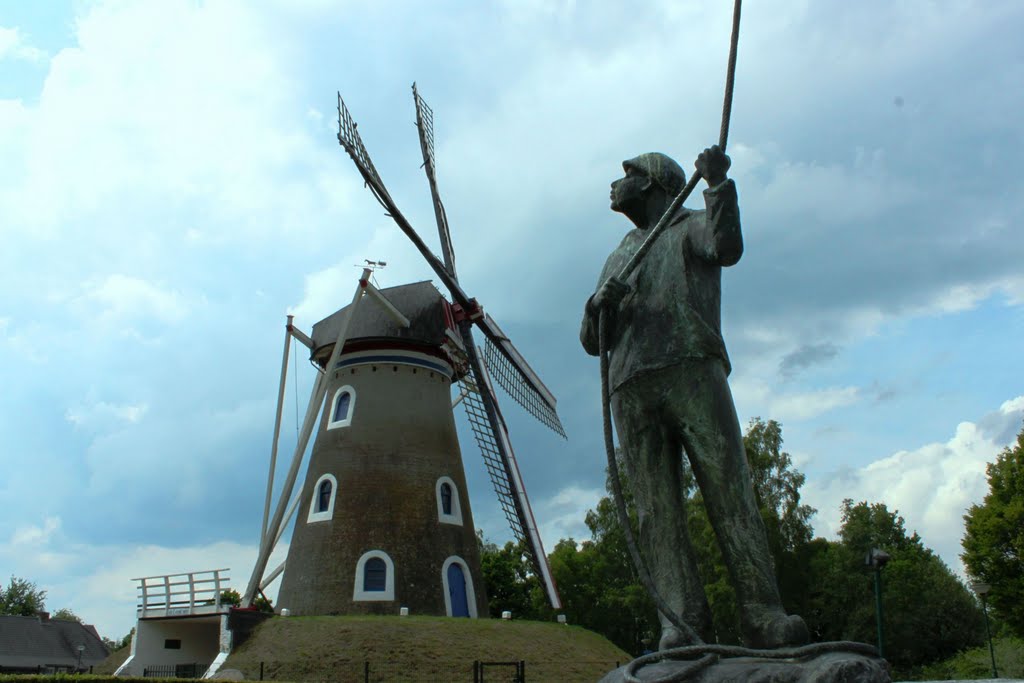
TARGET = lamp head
x,y
877,558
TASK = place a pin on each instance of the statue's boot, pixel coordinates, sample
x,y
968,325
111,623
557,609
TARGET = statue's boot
x,y
672,637
770,628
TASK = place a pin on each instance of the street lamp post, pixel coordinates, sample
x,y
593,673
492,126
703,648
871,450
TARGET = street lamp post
x,y
982,590
877,559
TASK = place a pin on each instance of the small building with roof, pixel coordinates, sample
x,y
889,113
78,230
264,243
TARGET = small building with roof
x,y
40,644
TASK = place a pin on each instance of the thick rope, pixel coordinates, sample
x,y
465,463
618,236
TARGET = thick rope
x,y
620,501
682,653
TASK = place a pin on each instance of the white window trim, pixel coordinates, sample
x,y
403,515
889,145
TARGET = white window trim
x,y
335,424
327,514
359,595
456,516
470,592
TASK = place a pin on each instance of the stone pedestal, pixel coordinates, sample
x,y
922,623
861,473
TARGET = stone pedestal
x,y
833,667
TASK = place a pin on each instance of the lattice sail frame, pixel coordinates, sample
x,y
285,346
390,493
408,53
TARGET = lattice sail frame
x,y
511,380
348,136
425,116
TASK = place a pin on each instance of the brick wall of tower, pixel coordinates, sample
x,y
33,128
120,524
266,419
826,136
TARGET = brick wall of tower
x,y
387,462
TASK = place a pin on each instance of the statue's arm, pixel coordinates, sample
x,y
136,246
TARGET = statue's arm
x,y
588,330
606,300
718,238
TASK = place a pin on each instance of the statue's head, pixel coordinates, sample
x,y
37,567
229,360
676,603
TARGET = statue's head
x,y
646,175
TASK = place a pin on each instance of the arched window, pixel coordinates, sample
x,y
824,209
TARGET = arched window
x,y
342,407
446,498
375,577
449,509
321,505
323,495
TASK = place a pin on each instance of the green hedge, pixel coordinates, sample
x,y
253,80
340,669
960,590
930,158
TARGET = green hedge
x,y
85,678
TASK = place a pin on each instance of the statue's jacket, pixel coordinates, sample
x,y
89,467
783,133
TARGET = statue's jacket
x,y
673,311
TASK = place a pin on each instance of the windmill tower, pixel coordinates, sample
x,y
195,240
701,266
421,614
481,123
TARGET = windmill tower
x,y
383,519
383,516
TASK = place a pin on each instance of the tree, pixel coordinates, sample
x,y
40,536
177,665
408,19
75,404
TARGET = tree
x,y
928,613
22,598
67,615
786,520
599,585
229,596
509,579
777,487
993,539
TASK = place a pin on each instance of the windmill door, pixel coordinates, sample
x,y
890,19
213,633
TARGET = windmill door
x,y
457,590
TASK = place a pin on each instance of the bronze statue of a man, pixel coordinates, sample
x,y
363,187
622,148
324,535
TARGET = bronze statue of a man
x,y
668,372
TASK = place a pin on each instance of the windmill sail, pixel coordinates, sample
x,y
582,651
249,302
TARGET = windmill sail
x,y
348,136
492,437
513,379
481,403
425,125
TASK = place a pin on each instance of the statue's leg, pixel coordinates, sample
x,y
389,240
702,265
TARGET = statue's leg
x,y
652,459
714,444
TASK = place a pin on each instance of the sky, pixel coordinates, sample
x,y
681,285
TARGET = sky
x,y
171,188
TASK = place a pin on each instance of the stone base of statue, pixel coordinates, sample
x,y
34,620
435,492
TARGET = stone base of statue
x,y
830,667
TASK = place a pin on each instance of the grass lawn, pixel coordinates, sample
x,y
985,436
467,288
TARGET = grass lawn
x,y
419,648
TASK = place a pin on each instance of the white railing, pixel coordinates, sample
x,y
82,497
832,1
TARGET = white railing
x,y
172,595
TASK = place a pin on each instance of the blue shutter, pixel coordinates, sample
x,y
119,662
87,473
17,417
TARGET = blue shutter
x,y
323,496
446,498
375,575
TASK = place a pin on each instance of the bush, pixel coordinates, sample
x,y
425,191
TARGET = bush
x,y
976,663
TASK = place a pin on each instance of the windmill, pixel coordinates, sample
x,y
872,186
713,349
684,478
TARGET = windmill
x,y
437,336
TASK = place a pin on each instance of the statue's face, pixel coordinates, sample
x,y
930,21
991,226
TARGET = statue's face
x,y
628,191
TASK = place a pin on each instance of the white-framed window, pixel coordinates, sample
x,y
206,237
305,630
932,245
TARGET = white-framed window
x,y
343,405
375,577
321,507
453,568
449,509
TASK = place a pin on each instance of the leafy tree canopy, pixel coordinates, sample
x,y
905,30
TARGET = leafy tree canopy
x,y
509,579
993,539
66,614
22,598
928,613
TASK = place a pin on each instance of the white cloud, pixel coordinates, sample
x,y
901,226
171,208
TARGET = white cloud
x,y
792,406
1013,406
35,535
13,45
123,298
931,486
89,414
106,595
562,515
803,195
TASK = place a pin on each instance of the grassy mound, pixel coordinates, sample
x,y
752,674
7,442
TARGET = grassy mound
x,y
420,649
114,660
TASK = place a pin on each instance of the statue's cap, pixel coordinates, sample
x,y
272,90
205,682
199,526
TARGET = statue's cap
x,y
660,168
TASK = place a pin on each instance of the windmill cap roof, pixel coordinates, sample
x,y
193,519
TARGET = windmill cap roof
x,y
420,302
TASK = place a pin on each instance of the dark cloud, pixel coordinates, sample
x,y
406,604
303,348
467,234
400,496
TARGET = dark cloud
x,y
1002,426
806,356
